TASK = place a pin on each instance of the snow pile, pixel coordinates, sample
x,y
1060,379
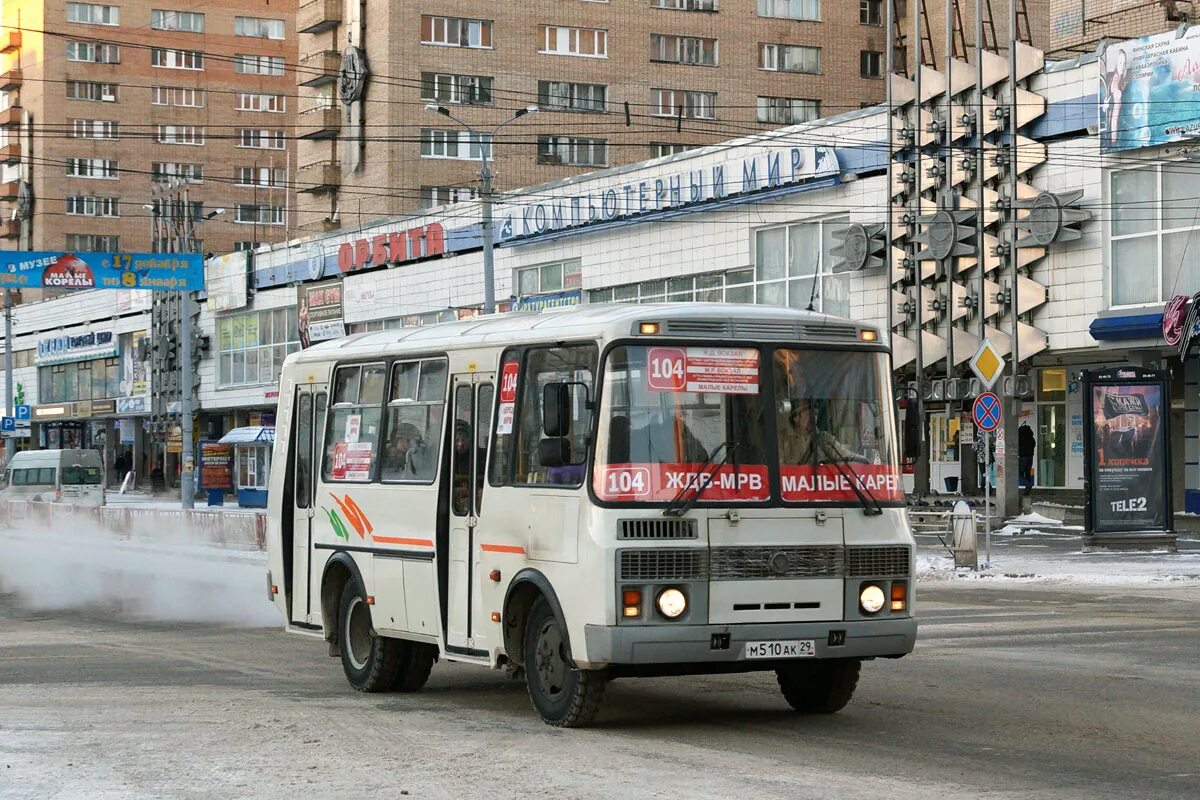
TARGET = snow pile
x,y
168,577
1035,520
1098,569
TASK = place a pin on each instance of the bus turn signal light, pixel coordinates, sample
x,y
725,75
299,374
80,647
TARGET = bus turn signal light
x,y
899,596
494,576
632,602
648,328
495,616
868,336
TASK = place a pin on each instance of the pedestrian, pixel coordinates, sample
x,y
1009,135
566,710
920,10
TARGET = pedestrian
x,y
983,446
1026,446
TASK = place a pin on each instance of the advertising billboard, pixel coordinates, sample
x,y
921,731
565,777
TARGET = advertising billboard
x,y
163,272
1149,91
1126,448
320,312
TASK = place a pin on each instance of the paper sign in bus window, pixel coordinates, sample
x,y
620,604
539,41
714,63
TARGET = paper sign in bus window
x,y
716,370
508,397
351,461
353,428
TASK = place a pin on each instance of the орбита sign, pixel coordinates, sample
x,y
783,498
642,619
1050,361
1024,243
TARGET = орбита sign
x,y
163,272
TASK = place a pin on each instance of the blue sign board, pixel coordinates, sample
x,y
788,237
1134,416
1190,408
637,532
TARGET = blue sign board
x,y
24,412
8,423
164,272
986,411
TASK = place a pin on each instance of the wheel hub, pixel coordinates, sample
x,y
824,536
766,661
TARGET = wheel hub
x,y
358,634
550,663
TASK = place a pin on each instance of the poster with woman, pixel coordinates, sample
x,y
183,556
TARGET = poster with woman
x,y
1149,91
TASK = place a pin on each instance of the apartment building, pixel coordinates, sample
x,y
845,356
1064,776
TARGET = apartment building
x,y
614,82
98,99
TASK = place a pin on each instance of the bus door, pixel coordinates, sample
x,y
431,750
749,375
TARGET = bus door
x,y
473,395
309,425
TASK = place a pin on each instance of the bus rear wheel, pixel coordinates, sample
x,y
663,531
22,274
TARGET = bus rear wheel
x,y
416,662
819,687
564,696
371,662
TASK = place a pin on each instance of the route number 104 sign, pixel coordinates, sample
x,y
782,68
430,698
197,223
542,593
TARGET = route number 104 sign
x,y
719,370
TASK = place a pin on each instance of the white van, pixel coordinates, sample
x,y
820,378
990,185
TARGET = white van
x,y
51,476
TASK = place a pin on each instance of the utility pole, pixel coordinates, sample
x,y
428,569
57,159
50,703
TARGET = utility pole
x,y
25,215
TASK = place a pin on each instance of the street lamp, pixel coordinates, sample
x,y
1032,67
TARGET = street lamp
x,y
485,175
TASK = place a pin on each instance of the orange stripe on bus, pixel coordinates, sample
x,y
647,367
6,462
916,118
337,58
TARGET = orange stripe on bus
x,y
502,548
400,540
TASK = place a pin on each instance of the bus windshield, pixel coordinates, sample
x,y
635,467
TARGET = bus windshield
x,y
77,475
826,426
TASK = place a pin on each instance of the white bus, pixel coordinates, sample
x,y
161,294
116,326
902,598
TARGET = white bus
x,y
605,491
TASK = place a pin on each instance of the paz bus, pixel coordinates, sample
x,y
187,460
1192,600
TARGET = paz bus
x,y
597,492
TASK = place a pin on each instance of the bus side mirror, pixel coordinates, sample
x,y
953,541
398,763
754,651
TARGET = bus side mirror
x,y
554,452
556,409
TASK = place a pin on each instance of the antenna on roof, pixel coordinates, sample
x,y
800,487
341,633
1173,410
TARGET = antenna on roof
x,y
812,297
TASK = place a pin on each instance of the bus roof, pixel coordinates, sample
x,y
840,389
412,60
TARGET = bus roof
x,y
740,322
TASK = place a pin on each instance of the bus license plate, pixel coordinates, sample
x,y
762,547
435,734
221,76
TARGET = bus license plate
x,y
793,648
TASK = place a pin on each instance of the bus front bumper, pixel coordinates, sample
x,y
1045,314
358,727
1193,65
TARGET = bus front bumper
x,y
724,645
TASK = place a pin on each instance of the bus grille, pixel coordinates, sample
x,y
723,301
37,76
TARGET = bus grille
x,y
657,529
666,564
733,563
877,562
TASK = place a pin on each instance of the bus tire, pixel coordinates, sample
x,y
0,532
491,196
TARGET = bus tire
x,y
416,663
371,662
819,687
564,696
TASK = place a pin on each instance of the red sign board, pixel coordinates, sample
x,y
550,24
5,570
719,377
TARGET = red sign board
x,y
392,248
664,482
827,483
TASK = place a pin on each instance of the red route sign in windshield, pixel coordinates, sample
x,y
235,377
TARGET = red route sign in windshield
x,y
719,370
826,483
664,482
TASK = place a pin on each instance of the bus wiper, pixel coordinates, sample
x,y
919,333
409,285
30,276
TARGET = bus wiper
x,y
870,503
707,470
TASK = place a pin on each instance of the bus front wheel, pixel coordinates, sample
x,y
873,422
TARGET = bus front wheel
x,y
819,687
564,696
371,662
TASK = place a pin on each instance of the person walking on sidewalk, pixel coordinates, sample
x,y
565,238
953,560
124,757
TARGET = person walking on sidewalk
x,y
1026,446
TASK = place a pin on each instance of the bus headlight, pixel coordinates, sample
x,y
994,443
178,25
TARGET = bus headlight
x,y
672,603
871,598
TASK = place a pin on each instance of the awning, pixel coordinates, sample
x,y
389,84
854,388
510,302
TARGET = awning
x,y
254,434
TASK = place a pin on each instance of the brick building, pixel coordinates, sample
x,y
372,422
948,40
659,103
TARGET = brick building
x,y
616,81
1078,26
100,97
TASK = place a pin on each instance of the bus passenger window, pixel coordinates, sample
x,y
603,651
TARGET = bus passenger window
x,y
483,424
573,364
416,407
460,488
503,445
352,438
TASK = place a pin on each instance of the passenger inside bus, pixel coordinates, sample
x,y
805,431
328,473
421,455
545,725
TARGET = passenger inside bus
x,y
801,442
462,466
406,457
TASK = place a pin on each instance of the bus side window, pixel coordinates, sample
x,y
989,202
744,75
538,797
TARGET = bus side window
x,y
352,439
574,364
46,476
416,406
502,443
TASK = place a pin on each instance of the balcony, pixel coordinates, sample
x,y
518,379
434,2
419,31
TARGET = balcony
x,y
323,122
319,177
319,16
320,226
319,68
10,41
10,153
11,229
10,80
10,117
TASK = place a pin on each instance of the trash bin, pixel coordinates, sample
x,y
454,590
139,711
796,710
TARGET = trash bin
x,y
951,485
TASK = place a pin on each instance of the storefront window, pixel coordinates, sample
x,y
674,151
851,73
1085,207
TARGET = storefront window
x,y
794,267
1050,453
98,379
1155,214
549,277
252,347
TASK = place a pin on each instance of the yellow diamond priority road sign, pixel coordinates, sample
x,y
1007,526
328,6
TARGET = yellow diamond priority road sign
x,y
987,364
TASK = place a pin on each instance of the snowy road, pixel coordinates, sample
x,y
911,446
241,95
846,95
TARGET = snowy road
x,y
1016,691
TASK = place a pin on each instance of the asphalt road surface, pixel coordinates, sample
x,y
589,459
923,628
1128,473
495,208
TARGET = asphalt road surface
x,y
1013,692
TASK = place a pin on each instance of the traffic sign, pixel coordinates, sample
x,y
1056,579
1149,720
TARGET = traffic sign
x,y
23,412
8,423
986,411
987,364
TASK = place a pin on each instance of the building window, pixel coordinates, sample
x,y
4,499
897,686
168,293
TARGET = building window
x,y
563,41
269,177
455,144
870,12
694,105
93,243
448,88
564,96
90,90
258,214
97,379
553,277
683,50
192,173
787,110
176,59
186,21
805,10
1154,240
687,5
258,28
252,101
870,64
94,129
247,246
92,168
573,151
790,58
251,347
445,195
92,14
455,31
89,206
94,52
179,134
258,65
261,139
176,96
660,149
793,267
735,286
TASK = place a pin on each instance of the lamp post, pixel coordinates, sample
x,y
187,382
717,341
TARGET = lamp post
x,y
485,175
